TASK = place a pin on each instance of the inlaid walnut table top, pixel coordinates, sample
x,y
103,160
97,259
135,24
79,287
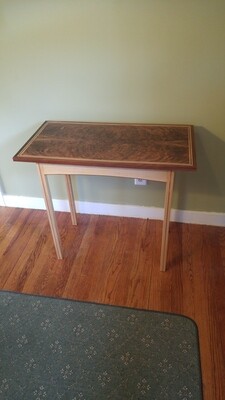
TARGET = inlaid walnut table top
x,y
113,145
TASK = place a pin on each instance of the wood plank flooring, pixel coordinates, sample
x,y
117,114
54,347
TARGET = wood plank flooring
x,y
115,260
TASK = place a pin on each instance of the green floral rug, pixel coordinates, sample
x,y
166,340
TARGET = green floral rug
x,y
54,349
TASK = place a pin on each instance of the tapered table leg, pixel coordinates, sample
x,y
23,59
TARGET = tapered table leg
x,y
50,212
166,221
71,199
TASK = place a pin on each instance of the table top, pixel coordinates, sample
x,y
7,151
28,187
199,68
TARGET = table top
x,y
146,146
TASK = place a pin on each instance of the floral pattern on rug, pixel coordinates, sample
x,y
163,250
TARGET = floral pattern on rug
x,y
52,349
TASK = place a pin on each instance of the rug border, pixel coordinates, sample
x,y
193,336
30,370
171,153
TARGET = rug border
x,y
102,304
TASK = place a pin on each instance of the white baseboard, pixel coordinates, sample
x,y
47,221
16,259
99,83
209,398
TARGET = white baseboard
x,y
120,210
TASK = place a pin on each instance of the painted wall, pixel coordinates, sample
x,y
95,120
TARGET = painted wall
x,y
115,60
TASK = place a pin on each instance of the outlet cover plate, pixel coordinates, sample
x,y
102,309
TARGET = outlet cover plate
x,y
140,182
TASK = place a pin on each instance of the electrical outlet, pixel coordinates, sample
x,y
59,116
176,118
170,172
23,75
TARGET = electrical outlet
x,y
140,182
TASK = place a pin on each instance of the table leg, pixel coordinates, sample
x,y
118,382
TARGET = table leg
x,y
166,221
71,199
50,212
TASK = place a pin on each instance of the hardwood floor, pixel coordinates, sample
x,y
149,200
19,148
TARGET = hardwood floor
x,y
116,261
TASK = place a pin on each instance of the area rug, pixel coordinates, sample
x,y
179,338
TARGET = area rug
x,y
54,349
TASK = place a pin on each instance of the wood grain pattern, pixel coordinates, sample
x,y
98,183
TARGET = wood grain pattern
x,y
116,261
117,145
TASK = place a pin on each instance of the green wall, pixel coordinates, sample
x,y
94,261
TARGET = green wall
x,y
115,60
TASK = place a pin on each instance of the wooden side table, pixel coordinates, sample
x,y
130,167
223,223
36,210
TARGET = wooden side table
x,y
145,151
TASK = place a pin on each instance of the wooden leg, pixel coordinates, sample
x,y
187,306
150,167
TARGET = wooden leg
x,y
50,211
71,199
166,221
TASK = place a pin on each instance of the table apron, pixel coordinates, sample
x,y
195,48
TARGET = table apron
x,y
58,169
